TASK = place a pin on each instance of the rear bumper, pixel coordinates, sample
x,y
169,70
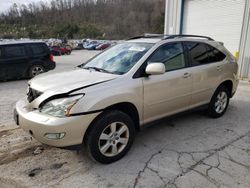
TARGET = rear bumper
x,y
235,86
38,124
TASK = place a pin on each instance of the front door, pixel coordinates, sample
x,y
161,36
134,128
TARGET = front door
x,y
170,92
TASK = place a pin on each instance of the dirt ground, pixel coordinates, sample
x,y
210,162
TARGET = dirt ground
x,y
189,151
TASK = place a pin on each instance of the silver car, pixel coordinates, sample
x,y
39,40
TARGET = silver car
x,y
103,103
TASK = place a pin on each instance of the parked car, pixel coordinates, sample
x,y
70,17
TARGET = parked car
x,y
90,45
24,59
102,46
55,52
63,50
79,46
104,102
68,47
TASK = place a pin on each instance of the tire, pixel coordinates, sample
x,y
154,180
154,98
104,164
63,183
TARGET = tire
x,y
103,149
36,70
219,102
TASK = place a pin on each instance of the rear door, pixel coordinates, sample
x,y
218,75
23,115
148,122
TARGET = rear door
x,y
206,70
16,60
40,51
170,92
2,66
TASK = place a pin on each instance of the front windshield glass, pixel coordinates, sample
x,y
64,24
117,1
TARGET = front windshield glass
x,y
118,59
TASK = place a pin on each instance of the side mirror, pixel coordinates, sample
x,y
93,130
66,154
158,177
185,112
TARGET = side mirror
x,y
155,68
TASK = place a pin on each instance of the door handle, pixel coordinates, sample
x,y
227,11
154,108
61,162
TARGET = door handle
x,y
186,75
218,68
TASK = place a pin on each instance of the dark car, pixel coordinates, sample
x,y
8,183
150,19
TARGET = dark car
x,y
24,59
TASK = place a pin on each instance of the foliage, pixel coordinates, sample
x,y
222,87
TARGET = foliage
x,y
110,19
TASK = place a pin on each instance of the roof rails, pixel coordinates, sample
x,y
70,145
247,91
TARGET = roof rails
x,y
148,35
164,37
191,36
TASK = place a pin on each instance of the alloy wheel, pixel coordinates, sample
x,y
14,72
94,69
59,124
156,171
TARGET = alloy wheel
x,y
113,139
37,70
221,102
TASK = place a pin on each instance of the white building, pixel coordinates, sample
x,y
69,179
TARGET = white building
x,y
223,20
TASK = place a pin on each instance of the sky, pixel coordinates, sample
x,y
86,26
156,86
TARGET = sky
x,y
5,4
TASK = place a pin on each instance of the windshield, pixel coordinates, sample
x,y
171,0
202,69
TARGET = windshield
x,y
118,59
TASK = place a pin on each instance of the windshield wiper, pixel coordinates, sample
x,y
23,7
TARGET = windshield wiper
x,y
98,69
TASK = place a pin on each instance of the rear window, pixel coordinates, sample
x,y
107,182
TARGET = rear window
x,y
38,49
14,51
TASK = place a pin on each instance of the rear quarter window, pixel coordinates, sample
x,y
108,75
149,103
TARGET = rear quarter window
x,y
215,55
14,51
38,49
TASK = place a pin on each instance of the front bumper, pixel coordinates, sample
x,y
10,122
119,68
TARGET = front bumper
x,y
38,124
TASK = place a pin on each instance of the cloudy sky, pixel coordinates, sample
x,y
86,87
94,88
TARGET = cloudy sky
x,y
5,4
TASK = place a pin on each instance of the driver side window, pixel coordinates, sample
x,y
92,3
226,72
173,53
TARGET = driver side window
x,y
171,55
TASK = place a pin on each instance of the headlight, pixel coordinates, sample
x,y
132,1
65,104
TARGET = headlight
x,y
60,107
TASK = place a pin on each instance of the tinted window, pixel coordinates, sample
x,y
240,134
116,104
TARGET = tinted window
x,y
14,51
197,53
215,55
38,49
172,55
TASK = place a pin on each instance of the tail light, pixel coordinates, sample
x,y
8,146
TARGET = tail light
x,y
51,57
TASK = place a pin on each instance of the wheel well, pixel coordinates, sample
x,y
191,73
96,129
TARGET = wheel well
x,y
129,109
229,85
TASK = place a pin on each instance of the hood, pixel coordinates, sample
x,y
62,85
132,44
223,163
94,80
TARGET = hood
x,y
68,80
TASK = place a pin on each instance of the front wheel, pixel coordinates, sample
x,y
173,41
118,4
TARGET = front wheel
x,y
110,137
219,102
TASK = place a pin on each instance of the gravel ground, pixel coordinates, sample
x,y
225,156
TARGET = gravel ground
x,y
189,151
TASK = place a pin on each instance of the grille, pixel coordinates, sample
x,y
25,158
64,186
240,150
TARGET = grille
x,y
32,94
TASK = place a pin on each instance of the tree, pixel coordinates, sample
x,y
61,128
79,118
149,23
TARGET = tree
x,y
118,19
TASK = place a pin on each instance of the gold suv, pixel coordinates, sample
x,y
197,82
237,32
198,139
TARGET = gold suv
x,y
103,102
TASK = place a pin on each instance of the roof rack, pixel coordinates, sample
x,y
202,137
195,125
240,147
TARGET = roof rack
x,y
191,36
164,37
149,35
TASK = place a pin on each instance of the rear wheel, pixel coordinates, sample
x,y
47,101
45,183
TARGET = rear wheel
x,y
110,137
36,70
219,102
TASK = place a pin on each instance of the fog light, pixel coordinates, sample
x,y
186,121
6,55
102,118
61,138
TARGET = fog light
x,y
54,136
